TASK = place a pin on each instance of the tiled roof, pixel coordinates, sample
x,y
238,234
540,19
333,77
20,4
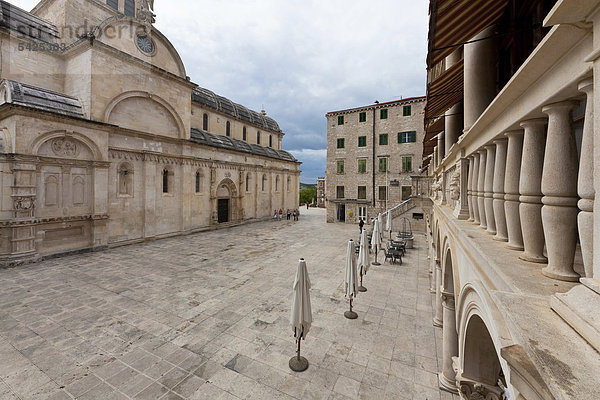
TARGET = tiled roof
x,y
26,25
208,98
224,142
42,99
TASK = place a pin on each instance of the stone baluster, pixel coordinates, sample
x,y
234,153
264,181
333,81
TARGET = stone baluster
x,y
470,188
585,183
481,189
447,378
511,187
490,163
499,178
438,318
530,189
475,188
559,186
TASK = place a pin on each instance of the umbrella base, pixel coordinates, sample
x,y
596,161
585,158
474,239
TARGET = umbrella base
x,y
298,364
350,315
362,289
375,263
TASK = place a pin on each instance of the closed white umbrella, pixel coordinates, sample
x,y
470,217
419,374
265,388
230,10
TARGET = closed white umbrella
x,y
363,259
388,223
301,315
380,222
350,283
376,239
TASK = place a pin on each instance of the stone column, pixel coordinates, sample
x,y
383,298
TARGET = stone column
x,y
481,189
453,126
434,159
490,163
585,183
470,188
447,377
480,76
438,318
511,187
475,188
499,177
559,186
530,189
440,147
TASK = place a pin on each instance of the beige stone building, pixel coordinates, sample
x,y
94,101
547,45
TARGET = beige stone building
x,y
105,140
372,152
512,146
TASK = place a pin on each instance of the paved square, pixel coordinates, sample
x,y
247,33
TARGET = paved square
x,y
206,317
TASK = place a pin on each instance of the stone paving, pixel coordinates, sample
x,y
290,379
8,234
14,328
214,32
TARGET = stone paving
x,y
206,317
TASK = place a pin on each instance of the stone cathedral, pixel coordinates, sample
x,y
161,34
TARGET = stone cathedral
x,y
106,141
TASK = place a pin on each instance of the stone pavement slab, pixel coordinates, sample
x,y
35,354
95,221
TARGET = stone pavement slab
x,y
206,317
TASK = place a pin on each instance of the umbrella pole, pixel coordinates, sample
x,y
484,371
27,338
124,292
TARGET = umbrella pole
x,y
361,288
376,251
298,363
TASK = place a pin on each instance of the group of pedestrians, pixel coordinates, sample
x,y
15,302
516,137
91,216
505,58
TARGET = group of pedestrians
x,y
278,215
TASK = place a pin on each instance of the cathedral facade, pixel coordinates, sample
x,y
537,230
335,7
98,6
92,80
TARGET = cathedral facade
x,y
106,141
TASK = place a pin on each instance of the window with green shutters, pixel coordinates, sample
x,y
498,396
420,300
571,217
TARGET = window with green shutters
x,y
339,192
383,114
383,164
340,167
341,120
362,141
340,143
362,117
362,166
407,137
406,111
383,139
407,164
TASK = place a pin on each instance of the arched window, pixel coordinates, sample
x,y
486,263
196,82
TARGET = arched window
x,y
277,183
270,140
205,122
228,129
247,182
244,134
258,137
289,183
198,181
264,182
165,181
125,180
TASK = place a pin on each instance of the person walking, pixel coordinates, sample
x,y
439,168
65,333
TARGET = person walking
x,y
280,214
289,214
275,216
361,224
307,206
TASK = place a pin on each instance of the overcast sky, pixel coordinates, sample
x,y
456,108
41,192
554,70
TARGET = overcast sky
x,y
299,59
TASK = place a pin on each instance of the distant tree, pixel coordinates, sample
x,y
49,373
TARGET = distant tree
x,y
308,194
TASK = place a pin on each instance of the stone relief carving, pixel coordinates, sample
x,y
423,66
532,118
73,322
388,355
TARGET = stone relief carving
x,y
23,203
145,12
477,391
455,186
64,147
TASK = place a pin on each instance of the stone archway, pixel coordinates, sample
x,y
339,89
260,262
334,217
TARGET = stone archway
x,y
447,376
482,371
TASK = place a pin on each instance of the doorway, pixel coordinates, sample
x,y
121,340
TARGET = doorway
x,y
362,213
223,210
341,213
